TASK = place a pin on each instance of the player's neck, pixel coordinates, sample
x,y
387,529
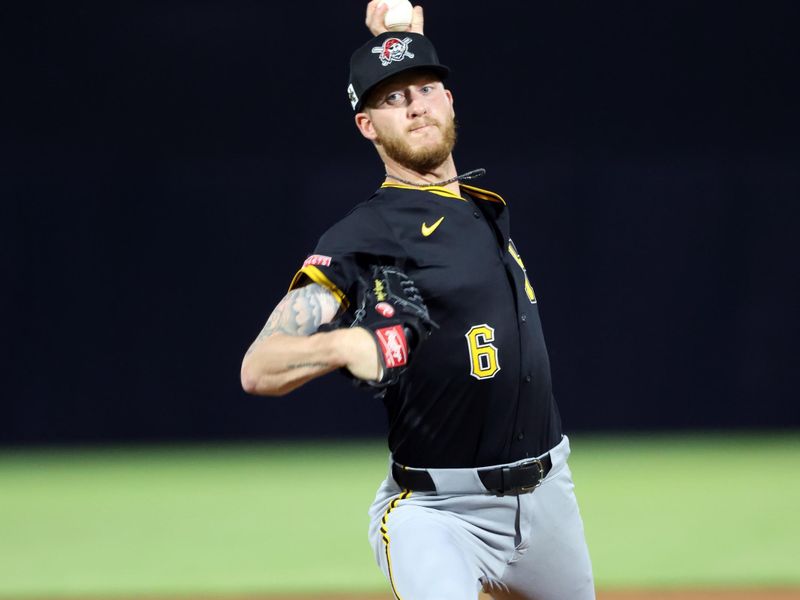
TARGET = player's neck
x,y
440,176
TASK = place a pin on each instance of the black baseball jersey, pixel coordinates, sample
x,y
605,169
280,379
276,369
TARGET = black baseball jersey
x,y
478,391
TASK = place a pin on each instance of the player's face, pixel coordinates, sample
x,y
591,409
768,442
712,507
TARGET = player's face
x,y
411,119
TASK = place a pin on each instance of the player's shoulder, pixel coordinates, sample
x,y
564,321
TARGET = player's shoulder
x,y
363,213
379,205
362,226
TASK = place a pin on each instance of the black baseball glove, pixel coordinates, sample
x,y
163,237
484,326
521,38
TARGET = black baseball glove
x,y
390,307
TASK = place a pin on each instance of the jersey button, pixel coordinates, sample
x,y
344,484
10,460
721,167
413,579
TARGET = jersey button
x,y
520,436
476,214
527,378
523,317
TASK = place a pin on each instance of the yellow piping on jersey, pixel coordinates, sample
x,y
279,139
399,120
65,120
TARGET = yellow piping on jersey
x,y
483,194
385,536
441,191
317,276
433,189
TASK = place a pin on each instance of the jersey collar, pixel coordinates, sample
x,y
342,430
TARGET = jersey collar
x,y
482,194
441,191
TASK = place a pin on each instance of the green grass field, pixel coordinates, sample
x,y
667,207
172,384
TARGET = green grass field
x,y
660,511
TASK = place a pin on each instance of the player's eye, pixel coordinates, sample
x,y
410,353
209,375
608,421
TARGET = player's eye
x,y
395,98
426,89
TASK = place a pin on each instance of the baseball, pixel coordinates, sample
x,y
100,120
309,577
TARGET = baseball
x,y
398,18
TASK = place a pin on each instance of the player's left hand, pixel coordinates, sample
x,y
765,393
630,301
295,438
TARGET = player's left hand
x,y
376,11
390,308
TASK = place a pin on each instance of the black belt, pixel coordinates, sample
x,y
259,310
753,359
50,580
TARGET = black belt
x,y
518,479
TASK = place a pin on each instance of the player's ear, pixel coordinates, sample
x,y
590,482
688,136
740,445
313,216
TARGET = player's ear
x,y
365,126
449,95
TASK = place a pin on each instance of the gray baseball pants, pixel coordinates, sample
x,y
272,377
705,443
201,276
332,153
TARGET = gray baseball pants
x,y
452,543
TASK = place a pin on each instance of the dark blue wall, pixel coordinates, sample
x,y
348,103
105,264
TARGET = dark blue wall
x,y
168,165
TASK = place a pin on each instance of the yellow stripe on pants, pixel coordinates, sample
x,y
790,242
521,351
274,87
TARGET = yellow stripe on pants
x,y
385,536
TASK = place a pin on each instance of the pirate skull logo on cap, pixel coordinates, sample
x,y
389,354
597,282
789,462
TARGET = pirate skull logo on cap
x,y
393,50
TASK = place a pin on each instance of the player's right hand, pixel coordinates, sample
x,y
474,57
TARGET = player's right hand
x,y
376,11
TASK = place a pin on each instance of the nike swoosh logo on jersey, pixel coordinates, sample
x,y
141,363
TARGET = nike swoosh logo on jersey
x,y
426,231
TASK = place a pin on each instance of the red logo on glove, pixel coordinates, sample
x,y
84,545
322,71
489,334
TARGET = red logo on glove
x,y
393,345
385,309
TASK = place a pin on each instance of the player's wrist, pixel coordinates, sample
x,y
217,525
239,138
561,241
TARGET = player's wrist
x,y
357,351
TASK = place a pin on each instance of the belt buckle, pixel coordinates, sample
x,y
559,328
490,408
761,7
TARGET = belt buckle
x,y
538,463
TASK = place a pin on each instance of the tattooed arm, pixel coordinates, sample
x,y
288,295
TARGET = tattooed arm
x,y
287,353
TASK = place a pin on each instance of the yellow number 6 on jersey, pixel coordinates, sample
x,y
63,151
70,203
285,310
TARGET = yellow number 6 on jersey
x,y
482,353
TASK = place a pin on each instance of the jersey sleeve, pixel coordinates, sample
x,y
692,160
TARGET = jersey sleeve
x,y
344,251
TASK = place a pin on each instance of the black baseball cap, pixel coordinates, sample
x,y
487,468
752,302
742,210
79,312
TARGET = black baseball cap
x,y
386,55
